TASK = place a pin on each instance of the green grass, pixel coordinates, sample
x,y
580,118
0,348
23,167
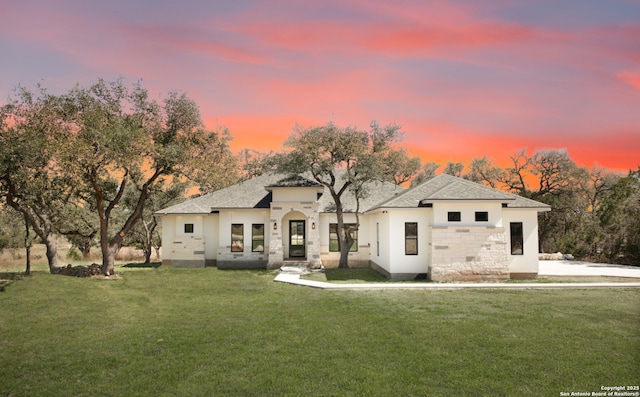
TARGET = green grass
x,y
190,332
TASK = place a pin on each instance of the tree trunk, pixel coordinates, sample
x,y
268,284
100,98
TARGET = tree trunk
x,y
27,246
342,237
147,255
52,253
108,257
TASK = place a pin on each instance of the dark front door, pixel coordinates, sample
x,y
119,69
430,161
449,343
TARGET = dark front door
x,y
297,246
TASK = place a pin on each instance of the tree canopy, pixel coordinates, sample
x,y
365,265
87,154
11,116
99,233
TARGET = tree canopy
x,y
345,160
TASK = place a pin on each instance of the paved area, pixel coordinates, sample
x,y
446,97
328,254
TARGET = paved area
x,y
577,268
292,275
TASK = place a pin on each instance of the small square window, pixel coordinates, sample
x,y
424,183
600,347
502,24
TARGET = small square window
x,y
482,216
453,216
188,227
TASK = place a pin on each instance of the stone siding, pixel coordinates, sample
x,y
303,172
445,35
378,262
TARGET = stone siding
x,y
276,244
187,251
469,254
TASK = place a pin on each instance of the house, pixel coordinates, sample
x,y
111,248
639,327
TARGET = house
x,y
447,229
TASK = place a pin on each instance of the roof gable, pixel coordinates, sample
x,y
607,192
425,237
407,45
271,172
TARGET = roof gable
x,y
450,188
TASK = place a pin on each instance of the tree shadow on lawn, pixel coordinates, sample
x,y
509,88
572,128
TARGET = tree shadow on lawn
x,y
354,275
8,278
141,265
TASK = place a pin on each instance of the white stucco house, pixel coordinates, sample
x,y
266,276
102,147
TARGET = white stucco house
x,y
445,229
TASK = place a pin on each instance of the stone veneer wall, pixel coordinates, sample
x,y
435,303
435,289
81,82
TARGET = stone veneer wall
x,y
469,254
276,243
187,251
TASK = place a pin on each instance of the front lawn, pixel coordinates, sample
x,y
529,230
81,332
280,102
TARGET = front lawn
x,y
190,332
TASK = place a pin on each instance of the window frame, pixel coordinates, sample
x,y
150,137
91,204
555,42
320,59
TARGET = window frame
x,y
254,240
454,216
239,247
336,246
189,226
484,218
410,238
516,238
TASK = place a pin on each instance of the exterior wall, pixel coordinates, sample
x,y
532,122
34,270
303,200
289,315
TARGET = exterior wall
x,y
380,242
226,259
294,194
356,259
467,211
168,233
280,214
183,249
211,230
469,253
525,265
400,265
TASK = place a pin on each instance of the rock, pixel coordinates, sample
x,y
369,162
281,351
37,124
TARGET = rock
x,y
568,257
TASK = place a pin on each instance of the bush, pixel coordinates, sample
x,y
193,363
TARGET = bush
x,y
73,254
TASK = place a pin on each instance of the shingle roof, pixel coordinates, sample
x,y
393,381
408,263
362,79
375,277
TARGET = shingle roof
x,y
253,193
450,188
294,181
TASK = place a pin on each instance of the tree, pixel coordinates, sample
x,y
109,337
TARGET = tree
x,y
483,171
145,233
399,167
428,171
343,160
619,215
121,138
255,163
11,228
454,169
32,180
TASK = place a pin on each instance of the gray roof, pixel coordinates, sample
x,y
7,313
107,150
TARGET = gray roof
x,y
294,181
446,187
256,193
253,193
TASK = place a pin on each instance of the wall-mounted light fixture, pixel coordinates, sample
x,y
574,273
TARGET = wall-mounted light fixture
x,y
313,225
384,212
275,226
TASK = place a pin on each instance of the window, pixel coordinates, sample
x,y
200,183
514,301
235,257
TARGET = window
x,y
482,216
411,238
257,237
516,238
453,216
188,227
237,237
334,241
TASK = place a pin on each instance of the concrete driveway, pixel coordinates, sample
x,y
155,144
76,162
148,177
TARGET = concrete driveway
x,y
577,268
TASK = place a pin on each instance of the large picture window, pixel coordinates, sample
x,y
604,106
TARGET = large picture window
x,y
334,241
411,238
517,238
237,237
257,237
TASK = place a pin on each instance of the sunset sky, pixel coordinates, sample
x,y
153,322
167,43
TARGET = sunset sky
x,y
463,78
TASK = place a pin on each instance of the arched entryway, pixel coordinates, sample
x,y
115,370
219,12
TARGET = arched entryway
x,y
295,235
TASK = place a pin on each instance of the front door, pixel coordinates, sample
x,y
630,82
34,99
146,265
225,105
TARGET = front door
x,y
297,246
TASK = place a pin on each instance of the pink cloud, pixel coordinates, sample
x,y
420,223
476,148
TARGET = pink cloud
x,y
630,78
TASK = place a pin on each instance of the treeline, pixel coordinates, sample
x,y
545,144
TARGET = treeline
x,y
95,163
